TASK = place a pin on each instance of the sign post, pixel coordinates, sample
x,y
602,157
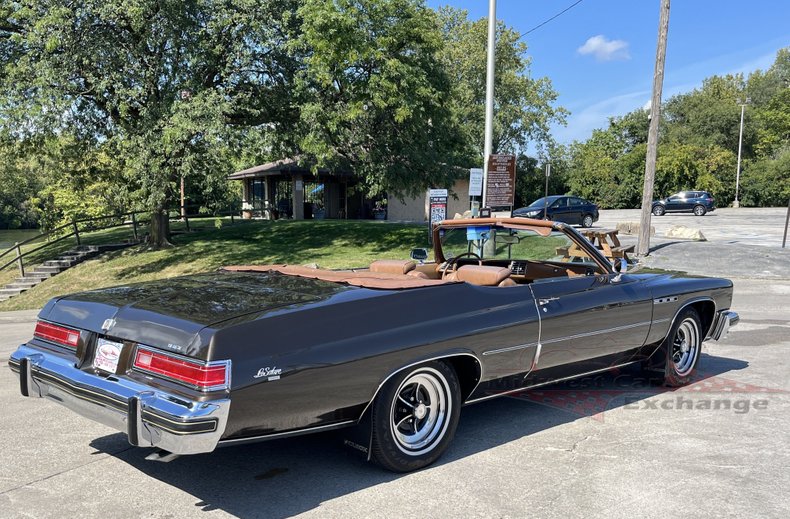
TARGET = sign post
x,y
475,189
437,202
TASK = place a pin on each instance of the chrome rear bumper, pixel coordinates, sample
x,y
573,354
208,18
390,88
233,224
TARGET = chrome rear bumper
x,y
724,321
149,417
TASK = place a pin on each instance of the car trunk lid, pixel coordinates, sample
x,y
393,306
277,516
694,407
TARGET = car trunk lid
x,y
171,313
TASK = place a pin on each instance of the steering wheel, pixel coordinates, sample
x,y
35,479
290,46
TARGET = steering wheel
x,y
449,265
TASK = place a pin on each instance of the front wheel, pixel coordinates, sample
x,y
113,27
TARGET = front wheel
x,y
699,210
659,210
683,348
415,416
587,221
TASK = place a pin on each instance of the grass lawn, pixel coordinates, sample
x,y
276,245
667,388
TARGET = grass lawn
x,y
104,236
329,243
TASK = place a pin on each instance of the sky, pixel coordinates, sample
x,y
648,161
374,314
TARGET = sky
x,y
600,54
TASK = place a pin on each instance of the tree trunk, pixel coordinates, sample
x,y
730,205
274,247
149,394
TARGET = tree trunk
x,y
160,229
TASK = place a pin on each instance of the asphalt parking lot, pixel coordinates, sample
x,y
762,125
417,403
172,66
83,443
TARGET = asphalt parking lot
x,y
606,445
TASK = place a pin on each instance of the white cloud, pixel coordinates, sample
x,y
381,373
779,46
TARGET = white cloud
x,y
605,50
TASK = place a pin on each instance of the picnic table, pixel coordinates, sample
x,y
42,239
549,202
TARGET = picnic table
x,y
607,242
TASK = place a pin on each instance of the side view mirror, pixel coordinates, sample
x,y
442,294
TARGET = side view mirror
x,y
419,255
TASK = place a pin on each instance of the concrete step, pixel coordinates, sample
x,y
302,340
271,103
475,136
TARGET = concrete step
x,y
51,270
11,292
60,263
23,285
42,275
29,277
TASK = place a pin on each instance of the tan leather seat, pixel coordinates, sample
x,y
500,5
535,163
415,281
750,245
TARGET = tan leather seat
x,y
482,275
392,266
417,274
507,282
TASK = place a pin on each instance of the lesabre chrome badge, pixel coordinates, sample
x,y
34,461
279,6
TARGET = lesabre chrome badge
x,y
107,324
272,373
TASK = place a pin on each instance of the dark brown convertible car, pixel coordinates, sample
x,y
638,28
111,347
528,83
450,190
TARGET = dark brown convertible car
x,y
249,353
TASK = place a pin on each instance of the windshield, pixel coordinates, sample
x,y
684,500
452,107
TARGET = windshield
x,y
540,202
497,243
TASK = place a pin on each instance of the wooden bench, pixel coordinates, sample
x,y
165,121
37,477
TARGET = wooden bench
x,y
622,251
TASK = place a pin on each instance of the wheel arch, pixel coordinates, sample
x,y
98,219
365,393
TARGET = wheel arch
x,y
706,310
468,368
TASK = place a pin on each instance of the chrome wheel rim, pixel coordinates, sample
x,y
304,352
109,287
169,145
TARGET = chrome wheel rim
x,y
685,347
420,412
658,211
698,211
588,221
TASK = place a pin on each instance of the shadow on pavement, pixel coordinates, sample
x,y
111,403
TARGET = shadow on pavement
x,y
285,477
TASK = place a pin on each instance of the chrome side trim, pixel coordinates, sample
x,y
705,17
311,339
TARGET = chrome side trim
x,y
296,432
662,300
555,381
535,359
597,332
571,337
511,348
422,361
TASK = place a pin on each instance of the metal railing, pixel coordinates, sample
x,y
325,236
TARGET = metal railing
x,y
72,230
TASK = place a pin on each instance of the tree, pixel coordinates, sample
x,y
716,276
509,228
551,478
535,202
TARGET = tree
x,y
159,85
373,95
525,106
698,143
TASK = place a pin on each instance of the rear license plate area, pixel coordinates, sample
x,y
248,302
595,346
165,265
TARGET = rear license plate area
x,y
108,354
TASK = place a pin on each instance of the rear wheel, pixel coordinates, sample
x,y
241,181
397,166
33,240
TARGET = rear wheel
x,y
415,416
587,221
659,210
700,210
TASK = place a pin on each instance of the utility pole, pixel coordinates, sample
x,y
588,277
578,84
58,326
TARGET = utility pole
x,y
546,193
489,132
735,202
643,246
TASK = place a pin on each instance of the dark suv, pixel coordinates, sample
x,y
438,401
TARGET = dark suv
x,y
568,209
697,202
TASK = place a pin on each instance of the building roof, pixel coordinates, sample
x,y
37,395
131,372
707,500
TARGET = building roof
x,y
286,165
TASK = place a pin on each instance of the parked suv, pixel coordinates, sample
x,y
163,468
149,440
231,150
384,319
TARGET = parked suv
x,y
568,209
697,202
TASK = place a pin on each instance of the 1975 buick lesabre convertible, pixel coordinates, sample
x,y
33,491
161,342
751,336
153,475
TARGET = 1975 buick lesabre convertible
x,y
250,353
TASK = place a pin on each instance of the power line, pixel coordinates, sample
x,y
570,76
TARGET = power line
x,y
574,4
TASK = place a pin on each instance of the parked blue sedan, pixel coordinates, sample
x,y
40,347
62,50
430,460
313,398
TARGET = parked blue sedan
x,y
560,208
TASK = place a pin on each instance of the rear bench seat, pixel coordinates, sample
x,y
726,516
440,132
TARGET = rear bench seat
x,y
396,267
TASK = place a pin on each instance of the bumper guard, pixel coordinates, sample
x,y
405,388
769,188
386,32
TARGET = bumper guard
x,y
724,321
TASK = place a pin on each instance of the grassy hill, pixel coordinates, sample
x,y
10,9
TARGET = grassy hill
x,y
329,243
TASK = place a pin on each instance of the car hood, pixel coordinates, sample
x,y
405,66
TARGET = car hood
x,y
180,314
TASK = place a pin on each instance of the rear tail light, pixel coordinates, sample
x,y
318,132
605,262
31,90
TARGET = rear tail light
x,y
57,334
207,377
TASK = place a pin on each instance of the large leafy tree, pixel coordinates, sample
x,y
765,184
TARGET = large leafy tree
x,y
524,106
374,96
159,85
698,144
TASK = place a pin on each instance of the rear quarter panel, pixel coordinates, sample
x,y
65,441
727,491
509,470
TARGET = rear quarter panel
x,y
332,357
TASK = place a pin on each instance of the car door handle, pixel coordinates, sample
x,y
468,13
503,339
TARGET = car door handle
x,y
547,300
